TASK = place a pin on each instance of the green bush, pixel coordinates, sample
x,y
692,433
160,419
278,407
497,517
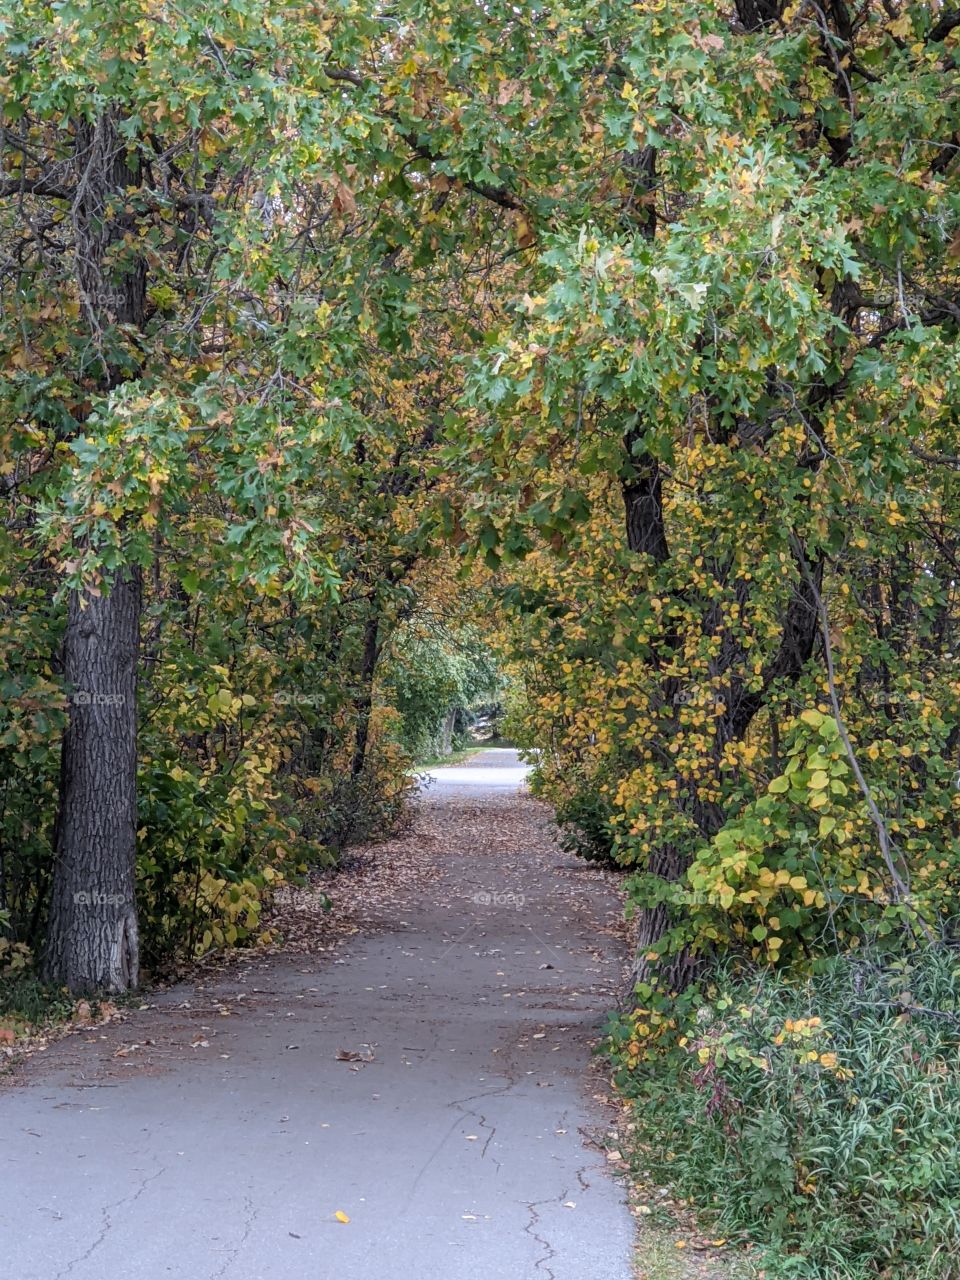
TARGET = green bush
x,y
26,999
351,809
583,818
581,796
818,1118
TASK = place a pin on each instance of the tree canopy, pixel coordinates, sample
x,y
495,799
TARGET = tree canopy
x,y
624,337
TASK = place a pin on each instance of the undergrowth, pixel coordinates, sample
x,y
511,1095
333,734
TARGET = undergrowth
x,y
817,1118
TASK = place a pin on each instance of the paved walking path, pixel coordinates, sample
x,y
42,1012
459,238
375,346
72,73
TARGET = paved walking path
x,y
429,1080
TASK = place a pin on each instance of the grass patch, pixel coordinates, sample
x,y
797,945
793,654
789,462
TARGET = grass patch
x,y
455,757
658,1258
674,1244
462,753
26,1002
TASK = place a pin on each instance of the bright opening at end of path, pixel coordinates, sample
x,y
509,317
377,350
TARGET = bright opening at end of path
x,y
497,767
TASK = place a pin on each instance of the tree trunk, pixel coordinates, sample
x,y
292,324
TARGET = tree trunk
x,y
642,486
92,939
368,669
447,731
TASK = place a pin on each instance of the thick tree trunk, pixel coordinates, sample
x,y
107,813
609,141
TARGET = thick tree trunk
x,y
642,487
673,972
92,938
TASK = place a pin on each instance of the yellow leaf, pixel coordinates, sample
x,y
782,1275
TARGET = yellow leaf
x,y
525,233
341,1216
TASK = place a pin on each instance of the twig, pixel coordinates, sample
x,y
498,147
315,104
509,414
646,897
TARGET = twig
x,y
901,888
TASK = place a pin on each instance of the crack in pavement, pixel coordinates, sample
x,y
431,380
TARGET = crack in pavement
x,y
482,1119
252,1212
531,1230
107,1223
456,1102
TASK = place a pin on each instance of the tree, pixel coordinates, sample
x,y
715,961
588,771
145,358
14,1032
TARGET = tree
x,y
748,347
204,223
148,193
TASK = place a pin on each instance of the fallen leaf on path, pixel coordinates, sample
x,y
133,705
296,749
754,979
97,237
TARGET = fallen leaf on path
x,y
341,1216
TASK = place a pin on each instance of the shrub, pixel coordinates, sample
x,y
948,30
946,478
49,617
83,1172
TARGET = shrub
x,y
818,1117
583,816
347,808
581,793
26,1001
24,998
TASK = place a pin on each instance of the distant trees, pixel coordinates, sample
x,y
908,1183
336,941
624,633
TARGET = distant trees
x,y
437,675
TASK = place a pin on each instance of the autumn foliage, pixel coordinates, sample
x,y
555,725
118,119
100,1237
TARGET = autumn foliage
x,y
341,341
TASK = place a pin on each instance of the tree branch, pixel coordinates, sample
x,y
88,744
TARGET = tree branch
x,y
949,21
899,881
34,187
500,195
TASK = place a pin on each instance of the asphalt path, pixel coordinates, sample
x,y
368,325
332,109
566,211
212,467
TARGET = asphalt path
x,y
432,1085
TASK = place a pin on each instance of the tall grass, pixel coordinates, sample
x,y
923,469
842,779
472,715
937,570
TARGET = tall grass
x,y
819,1118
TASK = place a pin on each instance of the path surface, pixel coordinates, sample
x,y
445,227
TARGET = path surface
x,y
224,1141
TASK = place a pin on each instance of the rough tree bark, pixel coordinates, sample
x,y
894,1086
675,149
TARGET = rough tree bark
x,y
92,940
